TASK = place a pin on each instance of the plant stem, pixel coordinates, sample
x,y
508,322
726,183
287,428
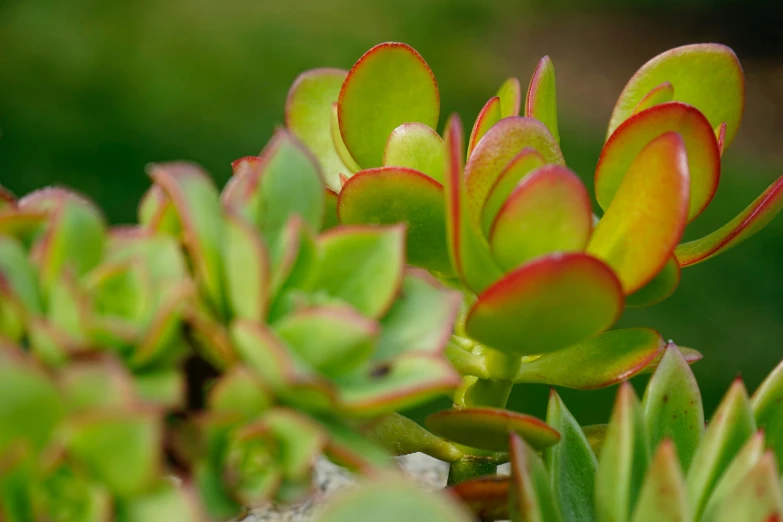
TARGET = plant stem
x,y
470,467
487,392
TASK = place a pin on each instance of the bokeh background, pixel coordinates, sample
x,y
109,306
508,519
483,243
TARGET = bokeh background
x,y
93,90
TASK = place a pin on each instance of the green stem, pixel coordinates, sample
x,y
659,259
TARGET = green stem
x,y
469,468
487,392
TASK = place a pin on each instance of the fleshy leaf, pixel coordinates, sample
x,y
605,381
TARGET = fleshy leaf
x,y
17,271
660,94
547,305
246,273
663,498
510,94
660,287
308,115
691,356
625,456
389,195
672,406
400,435
262,351
469,252
391,84
301,440
486,496
530,494
416,146
164,503
353,450
102,384
489,428
571,464
595,433
339,145
707,76
541,99
768,409
751,220
362,265
293,257
549,211
641,228
730,428
632,137
488,116
330,210
239,391
720,135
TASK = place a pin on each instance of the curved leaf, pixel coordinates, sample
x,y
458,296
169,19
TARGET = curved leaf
x,y
416,146
720,135
510,94
330,210
541,99
767,404
530,497
486,496
663,498
400,435
660,287
247,266
661,94
339,144
488,116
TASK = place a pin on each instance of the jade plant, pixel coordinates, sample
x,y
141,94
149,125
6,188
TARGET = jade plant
x,y
502,219
654,461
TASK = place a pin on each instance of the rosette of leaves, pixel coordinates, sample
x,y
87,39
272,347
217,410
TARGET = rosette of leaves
x,y
78,443
326,319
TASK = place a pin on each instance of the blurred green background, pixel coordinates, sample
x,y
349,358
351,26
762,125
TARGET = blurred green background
x,y
93,90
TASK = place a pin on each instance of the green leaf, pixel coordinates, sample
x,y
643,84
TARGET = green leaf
x,y
353,450
246,273
339,144
330,212
301,440
663,497
21,224
392,499
164,388
389,195
571,464
660,94
546,305
293,257
362,266
308,114
485,496
672,406
18,273
416,146
164,503
400,435
595,433
262,351
541,99
391,84
641,228
767,404
728,431
510,94
633,136
239,391
660,287
720,135
549,210
488,116
707,76
751,220
531,498
101,384
625,456
489,428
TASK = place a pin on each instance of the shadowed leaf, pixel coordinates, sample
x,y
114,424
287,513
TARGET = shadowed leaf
x,y
416,146
661,94
660,287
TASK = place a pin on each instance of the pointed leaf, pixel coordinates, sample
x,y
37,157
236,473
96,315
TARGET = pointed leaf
x,y
625,456
547,305
541,100
707,76
751,220
660,287
663,497
571,464
510,94
389,195
489,428
488,116
246,274
768,409
416,146
596,434
549,211
308,114
691,356
531,498
639,231
391,84
660,94
486,497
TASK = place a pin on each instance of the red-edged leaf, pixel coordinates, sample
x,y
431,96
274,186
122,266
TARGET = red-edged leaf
x,y
541,100
661,94
659,288
486,497
510,94
720,135
247,269
330,211
416,146
488,116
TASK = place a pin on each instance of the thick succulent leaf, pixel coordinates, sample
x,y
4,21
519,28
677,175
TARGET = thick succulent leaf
x,y
94,439
164,331
21,223
751,220
391,84
392,499
541,99
330,210
211,337
164,503
100,384
389,195
520,166
157,214
530,494
645,221
420,320
672,406
262,351
412,379
334,339
239,391
756,498
767,404
308,115
720,135
349,448
489,428
625,456
17,271
293,257
361,265
510,94
339,145
549,211
498,147
17,472
547,305
488,116
571,464
7,199
468,250
691,356
660,94
660,287
300,438
663,497
730,428
486,497
247,271
622,150
416,146
707,76
197,203
162,388
595,433
400,435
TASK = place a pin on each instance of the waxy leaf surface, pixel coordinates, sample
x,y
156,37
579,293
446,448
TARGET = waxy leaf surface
x,y
531,498
661,94
663,497
541,99
510,94
660,287
768,410
416,146
489,115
